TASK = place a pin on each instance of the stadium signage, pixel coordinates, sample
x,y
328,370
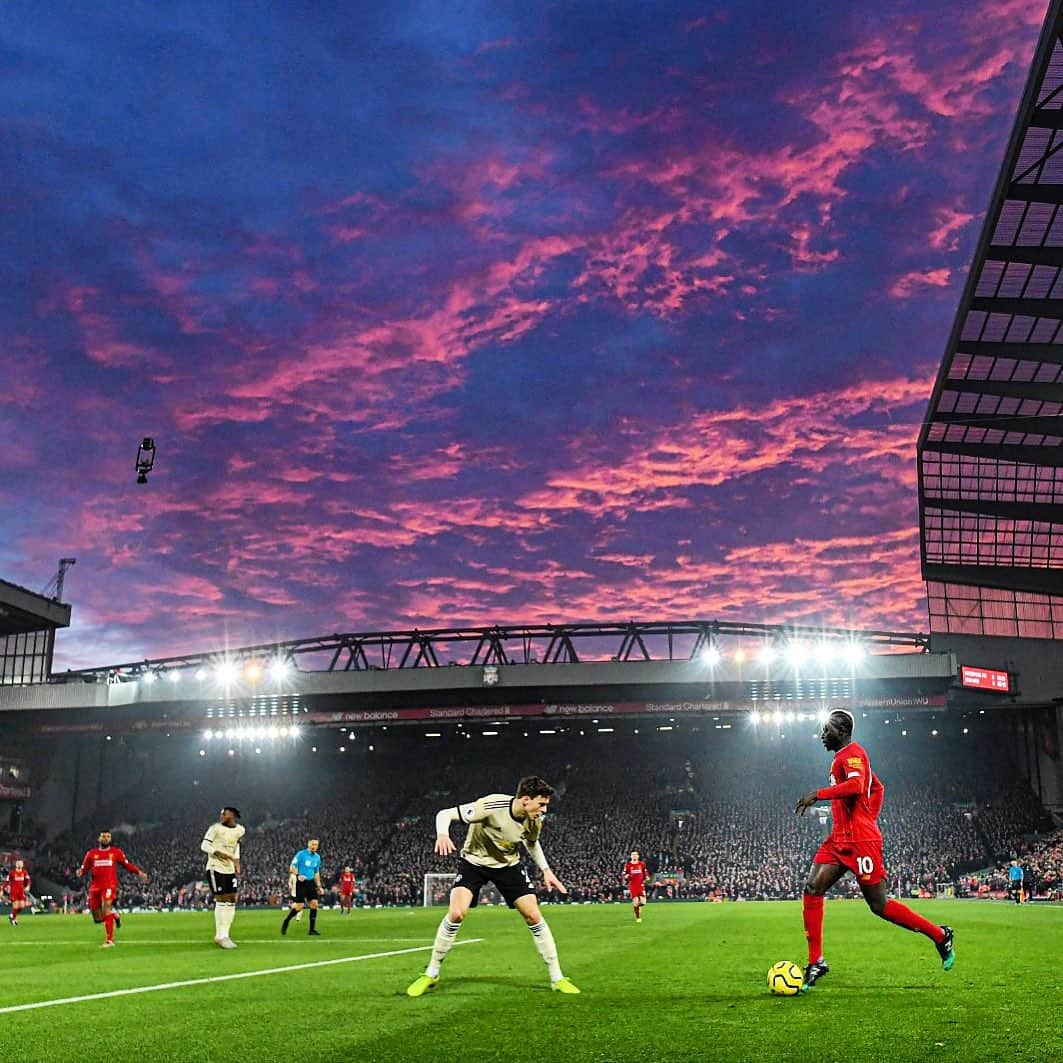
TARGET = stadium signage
x,y
985,679
13,792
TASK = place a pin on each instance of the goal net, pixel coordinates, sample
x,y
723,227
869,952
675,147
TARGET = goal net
x,y
437,891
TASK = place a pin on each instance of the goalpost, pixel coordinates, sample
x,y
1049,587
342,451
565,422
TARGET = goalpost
x,y
437,889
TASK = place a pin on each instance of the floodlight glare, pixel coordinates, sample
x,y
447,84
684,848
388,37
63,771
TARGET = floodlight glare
x,y
208,735
766,654
227,671
797,654
853,653
710,654
149,677
740,655
777,717
278,670
201,674
755,718
173,675
253,671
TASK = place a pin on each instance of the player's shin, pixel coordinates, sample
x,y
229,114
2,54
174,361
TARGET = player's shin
x,y
901,915
445,936
108,924
544,942
813,917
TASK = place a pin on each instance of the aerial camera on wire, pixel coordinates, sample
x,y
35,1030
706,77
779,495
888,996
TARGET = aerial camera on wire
x,y
145,459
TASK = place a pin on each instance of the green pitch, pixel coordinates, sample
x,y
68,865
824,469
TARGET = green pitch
x,y
686,984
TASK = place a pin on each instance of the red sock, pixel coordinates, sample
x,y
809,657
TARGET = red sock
x,y
108,922
902,915
813,913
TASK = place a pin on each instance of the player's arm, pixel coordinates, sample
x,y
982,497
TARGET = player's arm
x,y
83,870
236,860
550,880
131,867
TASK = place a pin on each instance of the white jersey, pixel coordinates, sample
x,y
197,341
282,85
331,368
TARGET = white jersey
x,y
227,839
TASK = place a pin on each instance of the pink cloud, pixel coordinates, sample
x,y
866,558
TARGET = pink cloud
x,y
912,283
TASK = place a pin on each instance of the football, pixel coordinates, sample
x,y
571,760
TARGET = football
x,y
785,978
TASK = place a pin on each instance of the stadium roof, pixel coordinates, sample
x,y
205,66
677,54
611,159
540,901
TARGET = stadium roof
x,y
22,611
991,448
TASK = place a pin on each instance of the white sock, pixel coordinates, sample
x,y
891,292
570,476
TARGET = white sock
x,y
544,942
445,936
224,913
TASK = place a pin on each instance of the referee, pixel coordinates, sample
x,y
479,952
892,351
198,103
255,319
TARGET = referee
x,y
304,880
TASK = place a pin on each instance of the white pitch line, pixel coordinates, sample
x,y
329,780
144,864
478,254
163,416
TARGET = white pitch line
x,y
220,978
126,943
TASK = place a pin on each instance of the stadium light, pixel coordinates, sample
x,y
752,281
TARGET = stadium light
x,y
174,675
273,732
208,735
279,669
739,655
202,752
777,716
232,752
797,654
822,654
710,654
253,672
201,674
226,671
853,653
755,717
766,654
149,676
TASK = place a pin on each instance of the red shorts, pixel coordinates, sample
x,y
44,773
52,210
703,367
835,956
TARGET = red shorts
x,y
347,894
98,896
863,859
18,896
637,891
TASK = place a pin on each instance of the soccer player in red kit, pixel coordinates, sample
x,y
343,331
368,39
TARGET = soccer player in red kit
x,y
18,886
854,844
103,863
635,877
346,891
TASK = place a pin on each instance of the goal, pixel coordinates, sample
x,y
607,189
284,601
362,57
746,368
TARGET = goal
x,y
437,891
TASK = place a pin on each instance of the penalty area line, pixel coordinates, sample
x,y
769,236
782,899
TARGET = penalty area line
x,y
220,978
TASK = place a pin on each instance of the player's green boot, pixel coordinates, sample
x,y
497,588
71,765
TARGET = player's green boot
x,y
946,950
421,986
563,985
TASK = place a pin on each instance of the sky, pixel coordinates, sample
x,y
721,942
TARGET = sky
x,y
474,313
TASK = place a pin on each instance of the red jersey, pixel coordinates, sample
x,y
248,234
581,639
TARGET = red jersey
x,y
635,873
18,881
347,882
104,864
855,794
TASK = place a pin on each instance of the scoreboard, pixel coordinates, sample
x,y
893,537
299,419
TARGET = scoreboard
x,y
985,679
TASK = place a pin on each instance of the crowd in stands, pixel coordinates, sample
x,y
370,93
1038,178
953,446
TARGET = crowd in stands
x,y
712,817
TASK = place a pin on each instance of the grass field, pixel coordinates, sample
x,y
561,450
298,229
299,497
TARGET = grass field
x,y
688,984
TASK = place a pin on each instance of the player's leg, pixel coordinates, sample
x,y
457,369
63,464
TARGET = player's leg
x,y
900,914
108,918
313,918
821,878
528,906
224,889
462,898
293,909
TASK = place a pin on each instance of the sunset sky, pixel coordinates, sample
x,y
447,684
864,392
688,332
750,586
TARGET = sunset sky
x,y
482,312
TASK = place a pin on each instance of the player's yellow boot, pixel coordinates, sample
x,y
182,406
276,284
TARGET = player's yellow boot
x,y
563,985
420,986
